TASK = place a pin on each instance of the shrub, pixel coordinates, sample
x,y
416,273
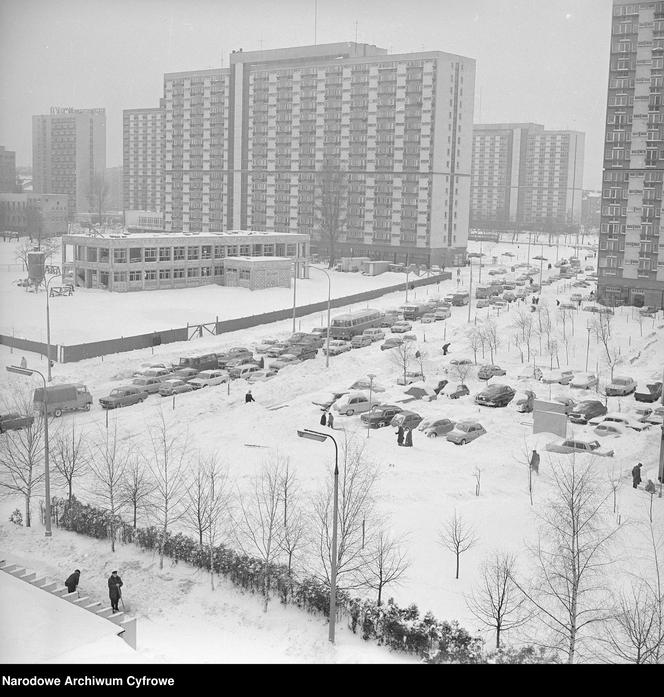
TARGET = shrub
x,y
16,517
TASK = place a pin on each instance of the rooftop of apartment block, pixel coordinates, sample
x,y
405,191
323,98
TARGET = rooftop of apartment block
x,y
185,235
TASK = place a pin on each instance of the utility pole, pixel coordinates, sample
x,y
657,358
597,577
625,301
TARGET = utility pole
x,y
470,292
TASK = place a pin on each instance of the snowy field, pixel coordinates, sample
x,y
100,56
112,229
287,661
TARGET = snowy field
x,y
419,488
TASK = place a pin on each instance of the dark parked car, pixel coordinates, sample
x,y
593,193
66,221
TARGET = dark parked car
x,y
14,422
123,397
380,415
648,392
407,419
455,391
495,396
584,411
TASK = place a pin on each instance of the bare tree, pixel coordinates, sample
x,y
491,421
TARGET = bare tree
x,y
70,457
458,537
491,336
196,503
460,371
22,455
476,340
523,323
615,482
356,520
386,562
167,467
259,525
402,356
497,603
601,327
219,505
571,556
331,198
108,467
97,194
136,490
294,534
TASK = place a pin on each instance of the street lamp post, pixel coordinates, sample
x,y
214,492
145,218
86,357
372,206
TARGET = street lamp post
x,y
329,305
320,437
587,348
371,377
47,476
295,270
48,328
470,291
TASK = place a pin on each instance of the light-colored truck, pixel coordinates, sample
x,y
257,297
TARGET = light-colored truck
x,y
62,398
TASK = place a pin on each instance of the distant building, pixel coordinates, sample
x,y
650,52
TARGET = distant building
x,y
68,149
144,221
151,261
524,177
7,171
40,215
113,177
631,252
591,209
142,159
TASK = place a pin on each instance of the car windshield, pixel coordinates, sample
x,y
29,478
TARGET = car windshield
x,y
465,427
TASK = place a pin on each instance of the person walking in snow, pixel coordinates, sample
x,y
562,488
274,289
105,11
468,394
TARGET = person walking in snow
x,y
330,420
114,592
409,438
24,363
72,581
249,397
446,348
323,418
557,302
400,435
636,476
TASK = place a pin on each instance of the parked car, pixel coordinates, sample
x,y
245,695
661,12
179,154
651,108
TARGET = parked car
x,y
586,410
648,391
411,377
366,384
568,446
620,387
391,342
438,427
243,371
641,413
620,418
429,318
482,302
360,341
486,372
261,375
123,397
529,372
648,311
442,313
337,347
374,334
223,359
304,351
174,386
354,403
590,308
266,344
561,377
320,331
185,374
327,399
401,327
455,391
15,422
160,374
209,378
465,432
277,350
380,416
525,401
390,317
409,336
495,396
461,361
149,385
250,360
161,366
283,361
406,419
583,381
607,428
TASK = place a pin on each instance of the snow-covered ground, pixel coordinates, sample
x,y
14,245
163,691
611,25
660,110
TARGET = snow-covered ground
x,y
420,488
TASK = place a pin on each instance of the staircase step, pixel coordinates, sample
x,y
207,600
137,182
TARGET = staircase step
x,y
50,586
93,607
117,617
80,601
106,612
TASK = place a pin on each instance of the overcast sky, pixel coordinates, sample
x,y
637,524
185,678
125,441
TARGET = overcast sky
x,y
537,60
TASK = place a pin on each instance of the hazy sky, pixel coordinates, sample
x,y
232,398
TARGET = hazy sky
x,y
537,60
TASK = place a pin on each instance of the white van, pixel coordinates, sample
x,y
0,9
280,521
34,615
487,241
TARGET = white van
x,y
354,403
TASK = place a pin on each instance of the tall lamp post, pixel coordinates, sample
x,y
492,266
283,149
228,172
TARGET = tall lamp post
x,y
47,476
371,377
320,437
49,269
329,301
587,348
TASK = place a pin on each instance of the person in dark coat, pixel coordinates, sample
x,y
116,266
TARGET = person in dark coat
x,y
636,476
72,581
323,419
557,302
409,438
330,420
446,348
400,435
114,592
249,397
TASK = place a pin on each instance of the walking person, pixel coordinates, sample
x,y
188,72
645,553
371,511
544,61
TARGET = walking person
x,y
249,397
24,363
557,302
72,581
114,592
323,419
330,420
446,348
409,438
636,476
400,435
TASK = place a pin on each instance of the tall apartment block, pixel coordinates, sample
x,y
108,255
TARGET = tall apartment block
x,y
247,147
524,177
68,148
7,171
142,159
631,252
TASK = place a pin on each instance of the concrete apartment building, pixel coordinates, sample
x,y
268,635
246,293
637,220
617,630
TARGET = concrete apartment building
x,y
42,215
7,171
142,161
526,177
247,147
68,148
159,260
631,252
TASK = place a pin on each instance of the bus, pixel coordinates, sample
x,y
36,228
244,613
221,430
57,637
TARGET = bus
x,y
482,292
414,310
345,327
461,297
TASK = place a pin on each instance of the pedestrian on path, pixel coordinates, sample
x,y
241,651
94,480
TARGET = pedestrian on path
x,y
24,363
409,438
636,475
446,348
114,592
323,419
249,397
400,435
330,420
72,581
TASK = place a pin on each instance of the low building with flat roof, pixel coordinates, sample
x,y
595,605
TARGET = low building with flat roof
x,y
152,261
